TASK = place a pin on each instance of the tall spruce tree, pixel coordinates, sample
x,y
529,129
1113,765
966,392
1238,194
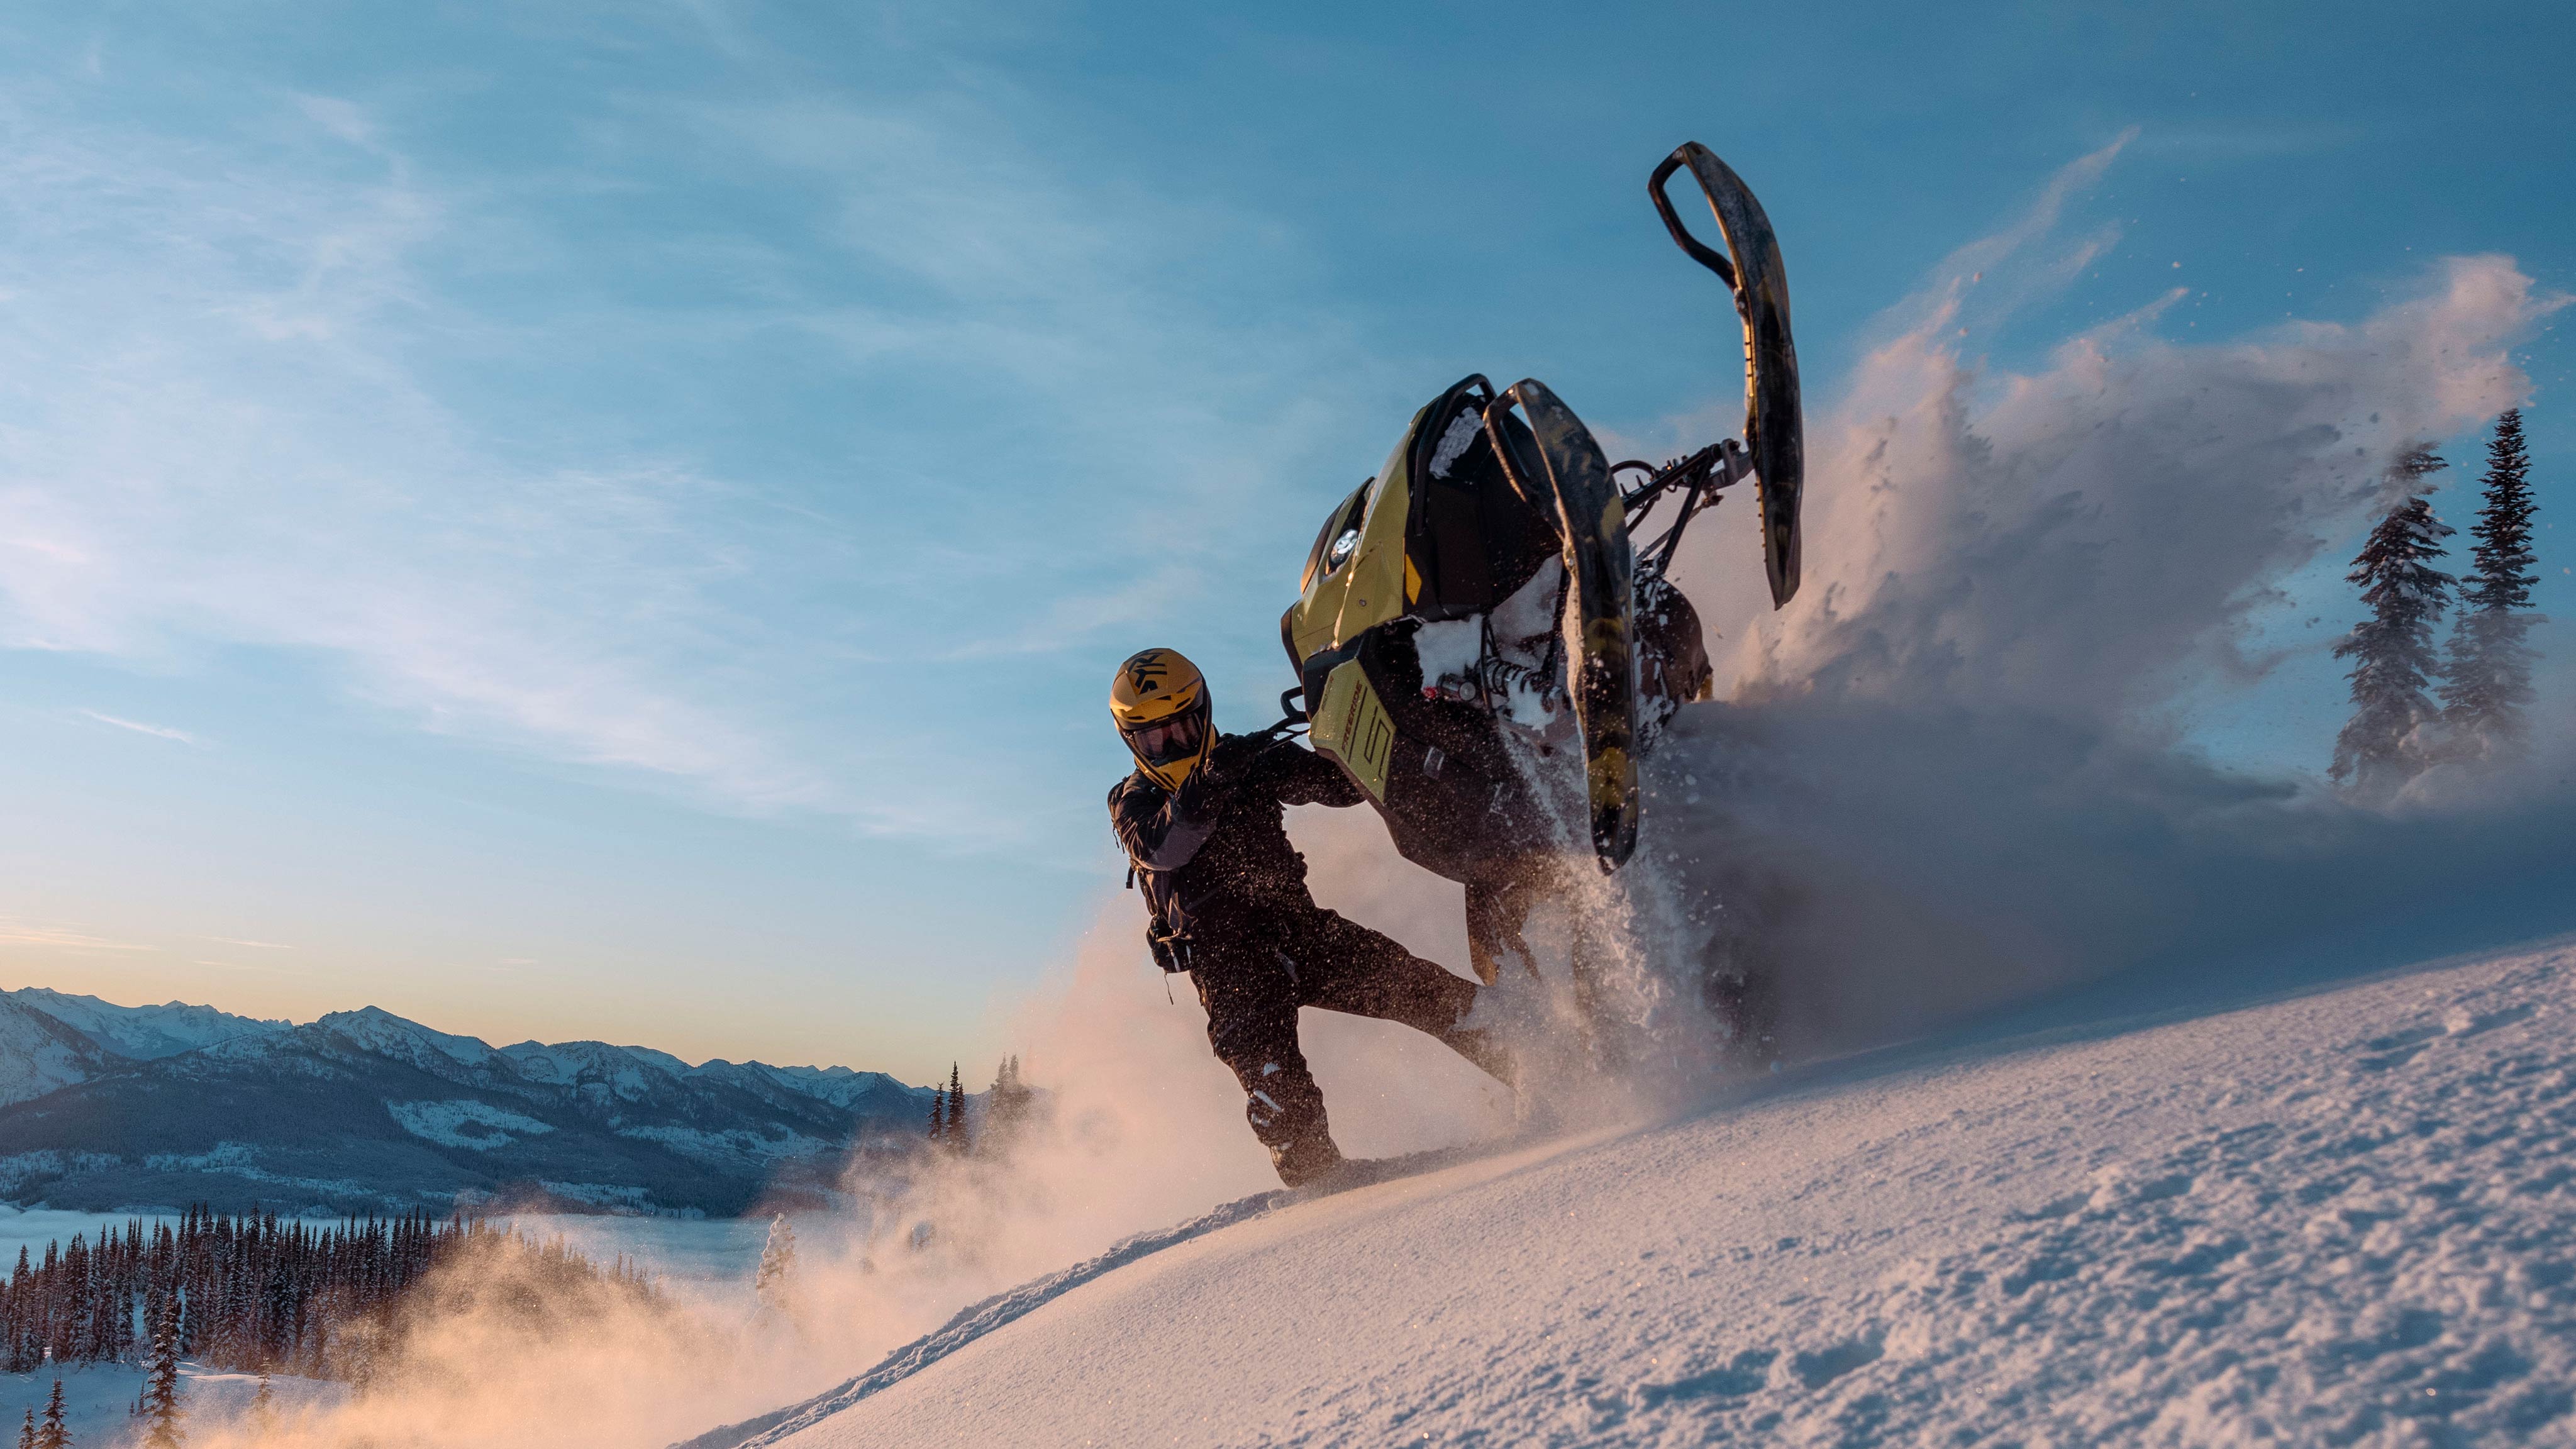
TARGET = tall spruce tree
x,y
938,1115
2381,747
2488,669
957,1136
27,1434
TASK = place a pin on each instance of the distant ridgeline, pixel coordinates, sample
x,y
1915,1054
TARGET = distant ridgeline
x,y
255,1295
104,1106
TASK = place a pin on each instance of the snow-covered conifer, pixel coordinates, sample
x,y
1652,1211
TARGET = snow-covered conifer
x,y
2488,668
2381,746
51,1434
777,1265
161,1409
1006,1106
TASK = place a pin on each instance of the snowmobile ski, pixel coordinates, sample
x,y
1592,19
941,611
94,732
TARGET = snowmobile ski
x,y
1773,430
1600,572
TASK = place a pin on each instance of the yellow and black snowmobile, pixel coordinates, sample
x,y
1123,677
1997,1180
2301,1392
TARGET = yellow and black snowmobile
x,y
1487,596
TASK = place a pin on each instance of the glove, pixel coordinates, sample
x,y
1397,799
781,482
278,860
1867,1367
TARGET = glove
x,y
1198,797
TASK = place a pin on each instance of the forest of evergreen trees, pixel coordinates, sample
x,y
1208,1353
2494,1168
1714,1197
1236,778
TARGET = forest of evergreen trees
x,y
250,1294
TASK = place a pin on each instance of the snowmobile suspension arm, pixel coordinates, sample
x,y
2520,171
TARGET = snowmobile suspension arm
x,y
1697,479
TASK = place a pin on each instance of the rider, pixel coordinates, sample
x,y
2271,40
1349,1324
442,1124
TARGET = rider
x,y
1201,820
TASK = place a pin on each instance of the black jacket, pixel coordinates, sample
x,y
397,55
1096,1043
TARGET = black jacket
x,y
1216,853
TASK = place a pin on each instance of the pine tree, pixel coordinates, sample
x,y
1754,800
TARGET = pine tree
x,y
2489,663
938,1115
51,1434
263,1409
777,1262
27,1434
2380,747
956,1134
1006,1106
161,1407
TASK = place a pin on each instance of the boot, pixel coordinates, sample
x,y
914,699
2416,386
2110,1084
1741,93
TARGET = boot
x,y
1485,1048
1506,1012
1305,1158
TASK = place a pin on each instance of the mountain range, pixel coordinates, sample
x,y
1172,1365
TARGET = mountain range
x,y
105,1107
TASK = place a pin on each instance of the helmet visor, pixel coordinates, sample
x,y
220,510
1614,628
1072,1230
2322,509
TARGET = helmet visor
x,y
1176,737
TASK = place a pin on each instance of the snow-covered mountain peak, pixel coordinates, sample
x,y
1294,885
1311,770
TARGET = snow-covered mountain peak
x,y
839,1086
628,1072
667,1062
237,1122
39,1053
372,1028
144,1033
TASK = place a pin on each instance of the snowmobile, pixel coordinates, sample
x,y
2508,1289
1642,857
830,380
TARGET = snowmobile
x,y
1487,597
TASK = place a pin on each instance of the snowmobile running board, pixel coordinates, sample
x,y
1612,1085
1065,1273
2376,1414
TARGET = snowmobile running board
x,y
1773,432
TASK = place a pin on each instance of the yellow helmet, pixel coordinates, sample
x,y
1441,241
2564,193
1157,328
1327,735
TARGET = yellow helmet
x,y
1160,701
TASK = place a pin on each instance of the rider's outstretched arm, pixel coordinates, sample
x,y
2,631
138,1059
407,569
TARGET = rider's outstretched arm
x,y
1162,829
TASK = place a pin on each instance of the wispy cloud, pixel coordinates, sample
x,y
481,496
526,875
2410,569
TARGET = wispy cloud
x,y
258,415
254,945
156,731
14,932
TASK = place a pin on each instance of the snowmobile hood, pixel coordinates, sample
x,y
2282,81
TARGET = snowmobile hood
x,y
1359,577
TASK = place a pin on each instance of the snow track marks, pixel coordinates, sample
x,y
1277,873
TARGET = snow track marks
x,y
2341,1217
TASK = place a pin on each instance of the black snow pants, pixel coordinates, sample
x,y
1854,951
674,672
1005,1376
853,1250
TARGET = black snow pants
x,y
1254,972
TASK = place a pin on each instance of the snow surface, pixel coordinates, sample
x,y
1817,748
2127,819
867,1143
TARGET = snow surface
x,y
738,1146
479,1126
2335,1217
98,1399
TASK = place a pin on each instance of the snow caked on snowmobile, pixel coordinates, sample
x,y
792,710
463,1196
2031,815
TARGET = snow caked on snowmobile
x,y
1487,591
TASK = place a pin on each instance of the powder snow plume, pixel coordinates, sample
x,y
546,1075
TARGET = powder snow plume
x,y
1959,770
1961,766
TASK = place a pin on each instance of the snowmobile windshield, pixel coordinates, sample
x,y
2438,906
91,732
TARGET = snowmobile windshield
x,y
1166,741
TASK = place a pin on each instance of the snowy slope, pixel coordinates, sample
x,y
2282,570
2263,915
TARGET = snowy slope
x,y
144,1032
2338,1217
39,1054
98,1399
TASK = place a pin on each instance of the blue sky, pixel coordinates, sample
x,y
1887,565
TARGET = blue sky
x,y
614,521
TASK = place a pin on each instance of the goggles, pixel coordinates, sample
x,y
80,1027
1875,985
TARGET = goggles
x,y
1164,741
